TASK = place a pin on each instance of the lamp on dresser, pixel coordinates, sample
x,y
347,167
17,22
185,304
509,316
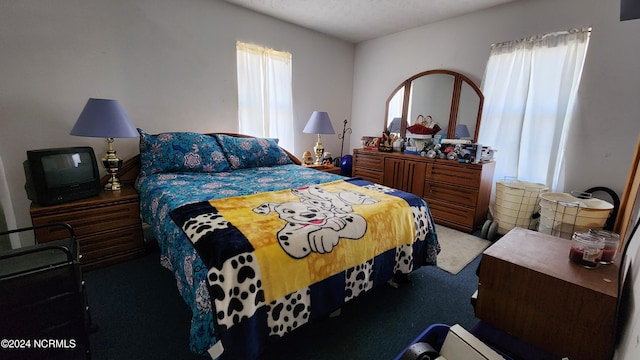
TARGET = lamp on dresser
x,y
394,126
462,132
319,123
106,118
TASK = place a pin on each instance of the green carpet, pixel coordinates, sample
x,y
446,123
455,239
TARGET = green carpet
x,y
141,315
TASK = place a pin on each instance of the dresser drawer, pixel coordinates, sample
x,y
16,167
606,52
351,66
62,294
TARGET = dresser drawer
x,y
450,193
369,161
458,217
88,222
457,175
369,175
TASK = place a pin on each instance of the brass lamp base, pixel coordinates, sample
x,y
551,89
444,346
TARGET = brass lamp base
x,y
112,164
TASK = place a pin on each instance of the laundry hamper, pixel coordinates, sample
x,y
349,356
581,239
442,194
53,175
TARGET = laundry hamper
x,y
516,205
562,214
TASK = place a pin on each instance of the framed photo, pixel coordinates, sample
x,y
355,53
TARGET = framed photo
x,y
370,142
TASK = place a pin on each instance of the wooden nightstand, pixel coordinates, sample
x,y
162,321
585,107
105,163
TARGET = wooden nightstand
x,y
108,226
333,170
529,289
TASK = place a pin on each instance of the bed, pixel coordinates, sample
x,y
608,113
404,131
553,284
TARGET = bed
x,y
260,245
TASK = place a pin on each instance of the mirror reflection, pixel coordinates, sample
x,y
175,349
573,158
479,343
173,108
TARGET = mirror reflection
x,y
394,112
430,98
442,98
468,110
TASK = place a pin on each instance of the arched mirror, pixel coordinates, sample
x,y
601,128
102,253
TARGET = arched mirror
x,y
444,98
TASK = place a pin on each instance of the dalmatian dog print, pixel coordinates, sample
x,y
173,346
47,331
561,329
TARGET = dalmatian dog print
x,y
202,224
289,312
318,221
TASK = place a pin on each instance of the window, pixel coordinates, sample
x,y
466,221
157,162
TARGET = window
x,y
530,89
265,102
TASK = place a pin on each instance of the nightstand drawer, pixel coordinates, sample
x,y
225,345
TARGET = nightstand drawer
x,y
107,244
89,221
333,170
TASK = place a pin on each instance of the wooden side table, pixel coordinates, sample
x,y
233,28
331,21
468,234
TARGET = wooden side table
x,y
529,289
107,226
333,170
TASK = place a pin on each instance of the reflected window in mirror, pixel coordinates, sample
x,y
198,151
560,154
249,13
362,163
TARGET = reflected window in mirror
x,y
394,112
468,109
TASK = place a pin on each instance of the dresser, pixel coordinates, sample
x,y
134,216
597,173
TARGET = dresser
x,y
458,193
529,289
107,226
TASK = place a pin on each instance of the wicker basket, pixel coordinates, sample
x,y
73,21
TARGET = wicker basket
x,y
562,214
516,203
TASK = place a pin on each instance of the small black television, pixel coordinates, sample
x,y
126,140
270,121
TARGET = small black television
x,y
55,176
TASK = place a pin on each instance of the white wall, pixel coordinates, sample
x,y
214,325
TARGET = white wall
x,y
171,63
608,120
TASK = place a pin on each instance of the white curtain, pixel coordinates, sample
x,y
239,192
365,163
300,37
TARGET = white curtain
x,y
265,101
530,89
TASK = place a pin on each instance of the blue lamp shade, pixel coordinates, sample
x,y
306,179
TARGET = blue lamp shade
x,y
462,131
394,127
104,118
319,123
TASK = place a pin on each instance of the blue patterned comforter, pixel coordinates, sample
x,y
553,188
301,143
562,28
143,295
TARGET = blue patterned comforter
x,y
162,193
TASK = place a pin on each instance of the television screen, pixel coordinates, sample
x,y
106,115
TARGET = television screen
x,y
64,169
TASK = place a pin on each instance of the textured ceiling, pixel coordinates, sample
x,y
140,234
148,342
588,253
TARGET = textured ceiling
x,y
359,20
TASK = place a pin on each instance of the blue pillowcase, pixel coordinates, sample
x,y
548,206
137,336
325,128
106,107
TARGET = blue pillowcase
x,y
252,152
180,152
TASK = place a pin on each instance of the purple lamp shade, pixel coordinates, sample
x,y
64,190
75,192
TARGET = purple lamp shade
x,y
394,127
462,131
104,118
319,123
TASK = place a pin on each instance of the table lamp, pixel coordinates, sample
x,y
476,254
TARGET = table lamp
x,y
462,131
106,118
394,127
319,123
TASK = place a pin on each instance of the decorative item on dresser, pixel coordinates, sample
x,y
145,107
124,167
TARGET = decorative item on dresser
x,y
458,193
107,226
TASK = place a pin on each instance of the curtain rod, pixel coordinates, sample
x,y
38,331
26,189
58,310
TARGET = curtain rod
x,y
541,37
